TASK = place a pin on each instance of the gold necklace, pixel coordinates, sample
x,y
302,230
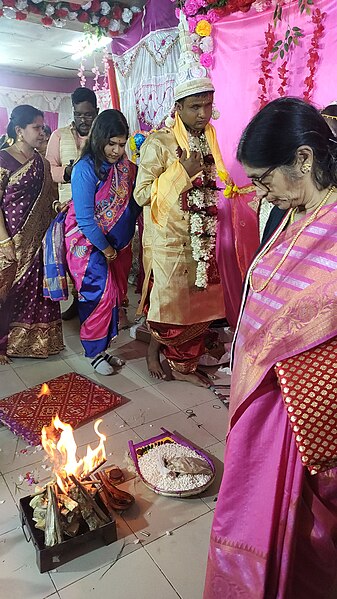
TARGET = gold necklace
x,y
21,152
288,250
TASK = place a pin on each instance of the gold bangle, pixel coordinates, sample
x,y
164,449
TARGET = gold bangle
x,y
111,257
6,242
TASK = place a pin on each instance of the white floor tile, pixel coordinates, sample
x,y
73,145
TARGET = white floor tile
x,y
10,383
139,366
73,345
145,406
16,453
182,556
169,567
19,573
155,514
190,428
75,570
9,516
123,381
134,576
213,415
184,395
42,371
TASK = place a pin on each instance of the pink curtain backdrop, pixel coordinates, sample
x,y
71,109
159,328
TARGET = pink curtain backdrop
x,y
3,120
239,41
51,119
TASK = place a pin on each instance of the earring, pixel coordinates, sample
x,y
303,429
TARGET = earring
x,y
19,138
215,114
170,119
306,168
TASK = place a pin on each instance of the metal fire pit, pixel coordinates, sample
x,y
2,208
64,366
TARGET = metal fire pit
x,y
48,558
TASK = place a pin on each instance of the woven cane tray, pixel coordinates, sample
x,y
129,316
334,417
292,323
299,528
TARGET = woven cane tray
x,y
139,449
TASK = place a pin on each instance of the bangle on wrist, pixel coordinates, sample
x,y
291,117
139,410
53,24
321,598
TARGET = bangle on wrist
x,y
56,205
111,256
6,242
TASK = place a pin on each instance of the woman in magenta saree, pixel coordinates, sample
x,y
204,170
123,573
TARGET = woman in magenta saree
x,y
30,325
274,533
99,228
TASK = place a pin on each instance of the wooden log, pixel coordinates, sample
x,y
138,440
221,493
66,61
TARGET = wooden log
x,y
53,532
105,498
90,502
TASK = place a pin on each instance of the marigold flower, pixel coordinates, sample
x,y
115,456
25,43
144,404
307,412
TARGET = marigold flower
x,y
203,28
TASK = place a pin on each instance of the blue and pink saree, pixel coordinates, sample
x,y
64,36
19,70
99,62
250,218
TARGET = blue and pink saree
x,y
102,287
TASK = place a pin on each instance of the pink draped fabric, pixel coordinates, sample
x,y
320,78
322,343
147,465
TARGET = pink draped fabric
x,y
275,526
237,241
3,120
239,40
274,534
51,119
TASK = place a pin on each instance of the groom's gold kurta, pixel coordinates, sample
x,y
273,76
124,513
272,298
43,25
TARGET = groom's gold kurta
x,y
160,182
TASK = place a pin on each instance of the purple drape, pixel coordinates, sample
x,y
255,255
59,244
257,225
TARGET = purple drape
x,y
156,14
51,119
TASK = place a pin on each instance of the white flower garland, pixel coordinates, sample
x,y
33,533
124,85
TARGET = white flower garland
x,y
203,226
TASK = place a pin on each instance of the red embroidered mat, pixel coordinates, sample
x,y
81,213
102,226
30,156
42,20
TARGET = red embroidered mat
x,y
74,398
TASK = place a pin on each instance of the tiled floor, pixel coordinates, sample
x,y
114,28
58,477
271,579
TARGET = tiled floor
x,y
159,565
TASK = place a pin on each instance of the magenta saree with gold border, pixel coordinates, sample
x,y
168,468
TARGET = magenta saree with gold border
x,y
274,534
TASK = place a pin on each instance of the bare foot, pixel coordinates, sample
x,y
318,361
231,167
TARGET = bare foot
x,y
4,360
193,377
153,360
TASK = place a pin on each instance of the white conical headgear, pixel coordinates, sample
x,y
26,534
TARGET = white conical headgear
x,y
192,77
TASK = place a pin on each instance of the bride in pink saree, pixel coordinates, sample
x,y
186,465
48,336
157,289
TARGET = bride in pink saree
x,y
274,533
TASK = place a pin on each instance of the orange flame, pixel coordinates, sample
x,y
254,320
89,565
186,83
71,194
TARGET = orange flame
x,y
61,449
44,390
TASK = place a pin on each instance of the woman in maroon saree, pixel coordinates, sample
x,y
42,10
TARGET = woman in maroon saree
x,y
30,325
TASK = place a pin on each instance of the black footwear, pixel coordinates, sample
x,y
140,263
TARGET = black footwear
x,y
72,311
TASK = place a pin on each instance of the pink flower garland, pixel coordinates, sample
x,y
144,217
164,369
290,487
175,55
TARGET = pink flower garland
x,y
81,72
317,18
283,73
266,64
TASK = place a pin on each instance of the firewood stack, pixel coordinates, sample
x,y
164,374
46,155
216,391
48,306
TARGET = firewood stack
x,y
61,514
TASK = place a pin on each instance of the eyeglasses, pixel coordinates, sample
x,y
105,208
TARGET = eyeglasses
x,y
86,117
258,181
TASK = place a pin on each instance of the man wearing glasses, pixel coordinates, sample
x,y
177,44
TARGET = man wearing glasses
x,y
64,147
66,143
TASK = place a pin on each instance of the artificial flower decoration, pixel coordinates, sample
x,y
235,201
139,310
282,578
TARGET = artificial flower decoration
x,y
204,28
108,18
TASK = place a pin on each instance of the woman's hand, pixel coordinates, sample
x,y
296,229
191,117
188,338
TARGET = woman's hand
x,y
110,253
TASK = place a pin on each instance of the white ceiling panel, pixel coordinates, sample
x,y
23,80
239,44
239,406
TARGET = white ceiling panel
x,y
31,48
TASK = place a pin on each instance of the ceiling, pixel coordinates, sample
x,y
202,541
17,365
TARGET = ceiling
x,y
30,48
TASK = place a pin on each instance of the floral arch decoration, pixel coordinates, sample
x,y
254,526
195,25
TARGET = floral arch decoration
x,y
276,54
106,18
